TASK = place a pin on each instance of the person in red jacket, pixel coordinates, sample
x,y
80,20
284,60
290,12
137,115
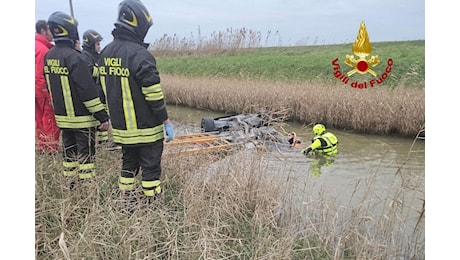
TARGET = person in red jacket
x,y
46,131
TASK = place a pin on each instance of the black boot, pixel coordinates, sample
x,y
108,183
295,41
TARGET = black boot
x,y
155,202
130,201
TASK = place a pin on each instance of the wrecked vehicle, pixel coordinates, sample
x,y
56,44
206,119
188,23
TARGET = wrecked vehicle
x,y
244,128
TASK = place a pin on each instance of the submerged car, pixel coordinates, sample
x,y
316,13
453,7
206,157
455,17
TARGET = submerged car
x,y
243,127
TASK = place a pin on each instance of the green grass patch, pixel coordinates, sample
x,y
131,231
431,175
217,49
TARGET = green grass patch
x,y
298,63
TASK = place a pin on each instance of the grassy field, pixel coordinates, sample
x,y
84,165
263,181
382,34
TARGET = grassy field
x,y
295,64
301,80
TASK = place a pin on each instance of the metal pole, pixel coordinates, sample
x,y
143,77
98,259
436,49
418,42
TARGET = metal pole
x,y
71,8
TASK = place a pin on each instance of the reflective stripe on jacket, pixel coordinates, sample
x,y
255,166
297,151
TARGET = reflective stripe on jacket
x,y
131,84
73,91
325,144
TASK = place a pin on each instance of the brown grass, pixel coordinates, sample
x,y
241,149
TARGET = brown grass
x,y
383,111
228,39
233,207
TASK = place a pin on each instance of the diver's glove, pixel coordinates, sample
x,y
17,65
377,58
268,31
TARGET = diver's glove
x,y
306,151
169,131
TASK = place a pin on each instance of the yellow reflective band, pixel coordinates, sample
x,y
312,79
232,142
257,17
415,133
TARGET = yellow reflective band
x,y
153,93
84,176
154,97
147,135
103,133
92,102
70,173
151,89
103,136
70,164
127,187
76,121
126,183
87,166
104,88
94,105
128,105
95,72
151,193
151,187
67,94
125,180
47,77
150,184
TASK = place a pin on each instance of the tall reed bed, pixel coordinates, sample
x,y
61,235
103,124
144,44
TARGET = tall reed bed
x,y
385,111
228,39
233,207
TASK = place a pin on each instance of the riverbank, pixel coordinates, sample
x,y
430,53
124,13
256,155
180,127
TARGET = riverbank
x,y
295,63
383,111
232,206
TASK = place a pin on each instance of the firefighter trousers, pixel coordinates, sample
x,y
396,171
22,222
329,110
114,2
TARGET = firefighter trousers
x,y
79,152
145,159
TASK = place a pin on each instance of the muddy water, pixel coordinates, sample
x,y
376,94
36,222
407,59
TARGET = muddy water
x,y
376,170
359,155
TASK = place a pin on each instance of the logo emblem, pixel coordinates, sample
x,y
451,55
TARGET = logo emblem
x,y
362,62
94,35
149,19
362,48
61,31
71,20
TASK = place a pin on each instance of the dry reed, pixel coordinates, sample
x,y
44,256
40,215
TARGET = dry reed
x,y
232,207
399,111
228,39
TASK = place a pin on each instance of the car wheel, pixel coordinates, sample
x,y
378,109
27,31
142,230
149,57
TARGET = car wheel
x,y
207,124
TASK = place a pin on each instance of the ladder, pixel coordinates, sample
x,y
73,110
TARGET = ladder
x,y
196,143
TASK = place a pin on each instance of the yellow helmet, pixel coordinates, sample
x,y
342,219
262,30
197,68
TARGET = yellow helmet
x,y
318,129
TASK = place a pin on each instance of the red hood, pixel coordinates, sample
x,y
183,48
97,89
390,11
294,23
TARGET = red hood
x,y
42,39
42,45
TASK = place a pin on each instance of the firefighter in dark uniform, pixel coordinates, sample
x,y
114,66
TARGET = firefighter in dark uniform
x,y
131,82
77,106
91,49
324,147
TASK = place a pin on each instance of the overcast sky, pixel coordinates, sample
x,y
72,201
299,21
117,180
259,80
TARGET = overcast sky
x,y
298,22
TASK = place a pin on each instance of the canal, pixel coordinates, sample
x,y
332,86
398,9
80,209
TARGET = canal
x,y
383,177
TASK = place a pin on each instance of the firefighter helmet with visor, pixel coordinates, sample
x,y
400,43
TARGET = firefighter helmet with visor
x,y
63,27
90,38
134,16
